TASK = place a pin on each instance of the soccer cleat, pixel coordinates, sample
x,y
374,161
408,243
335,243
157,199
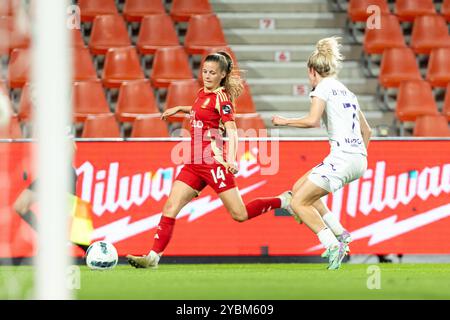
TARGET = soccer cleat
x,y
149,261
345,238
286,198
336,255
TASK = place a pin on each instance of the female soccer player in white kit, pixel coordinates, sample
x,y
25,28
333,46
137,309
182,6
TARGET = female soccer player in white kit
x,y
349,135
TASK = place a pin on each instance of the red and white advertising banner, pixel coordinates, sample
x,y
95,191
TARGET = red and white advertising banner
x,y
400,205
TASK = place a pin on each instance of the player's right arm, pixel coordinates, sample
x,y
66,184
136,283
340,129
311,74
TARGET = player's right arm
x,y
366,131
170,112
312,120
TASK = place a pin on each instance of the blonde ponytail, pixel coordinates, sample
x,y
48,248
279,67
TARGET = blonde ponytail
x,y
327,59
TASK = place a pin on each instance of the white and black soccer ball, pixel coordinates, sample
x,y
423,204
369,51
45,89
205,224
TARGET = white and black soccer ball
x,y
101,255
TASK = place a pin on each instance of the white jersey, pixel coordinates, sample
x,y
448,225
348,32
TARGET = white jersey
x,y
341,116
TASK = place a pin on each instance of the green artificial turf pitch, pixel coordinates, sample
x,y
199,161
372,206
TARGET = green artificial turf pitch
x,y
247,281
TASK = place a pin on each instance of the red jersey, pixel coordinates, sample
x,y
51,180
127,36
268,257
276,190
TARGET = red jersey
x,y
208,115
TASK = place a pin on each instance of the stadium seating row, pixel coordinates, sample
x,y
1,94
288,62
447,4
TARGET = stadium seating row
x,y
135,97
143,126
405,10
429,32
133,10
399,64
121,64
403,54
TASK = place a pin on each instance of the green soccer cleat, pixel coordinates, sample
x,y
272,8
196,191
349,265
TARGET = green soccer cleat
x,y
336,255
345,238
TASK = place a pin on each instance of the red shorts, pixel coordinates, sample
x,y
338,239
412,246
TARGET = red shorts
x,y
198,176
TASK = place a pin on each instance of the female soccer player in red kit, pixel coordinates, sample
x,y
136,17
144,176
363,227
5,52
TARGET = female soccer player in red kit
x,y
211,115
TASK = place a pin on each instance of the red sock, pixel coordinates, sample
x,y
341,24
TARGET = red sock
x,y
262,205
163,234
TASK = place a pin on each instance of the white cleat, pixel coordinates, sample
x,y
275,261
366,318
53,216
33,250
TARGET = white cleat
x,y
149,261
286,198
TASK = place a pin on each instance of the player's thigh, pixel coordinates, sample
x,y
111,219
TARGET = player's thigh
x,y
234,204
300,181
180,195
307,194
24,201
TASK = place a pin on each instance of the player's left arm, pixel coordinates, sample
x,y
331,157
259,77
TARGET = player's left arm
x,y
312,120
231,129
226,112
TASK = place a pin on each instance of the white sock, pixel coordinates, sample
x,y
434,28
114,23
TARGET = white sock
x,y
327,238
333,223
152,254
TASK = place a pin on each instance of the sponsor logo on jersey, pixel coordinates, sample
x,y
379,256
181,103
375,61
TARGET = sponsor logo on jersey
x,y
205,104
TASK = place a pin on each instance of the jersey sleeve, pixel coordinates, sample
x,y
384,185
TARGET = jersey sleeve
x,y
226,108
321,91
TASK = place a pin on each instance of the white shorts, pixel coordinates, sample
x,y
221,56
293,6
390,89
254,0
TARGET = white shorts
x,y
338,169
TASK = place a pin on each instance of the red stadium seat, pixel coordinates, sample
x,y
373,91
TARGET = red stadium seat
x,y
108,31
77,38
445,10
12,130
12,36
397,65
25,108
250,125
149,41
136,10
197,40
121,64
438,72
446,109
181,93
8,7
389,36
244,103
431,126
357,9
149,126
408,10
182,10
135,98
429,32
19,68
170,64
101,126
88,98
415,99
92,8
83,66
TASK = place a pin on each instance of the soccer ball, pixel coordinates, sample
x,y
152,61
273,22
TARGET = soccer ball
x,y
101,255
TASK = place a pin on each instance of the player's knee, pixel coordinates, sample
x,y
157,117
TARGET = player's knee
x,y
169,209
297,204
239,215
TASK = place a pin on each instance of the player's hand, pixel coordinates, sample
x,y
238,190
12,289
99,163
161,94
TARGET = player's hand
x,y
169,112
232,167
279,121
